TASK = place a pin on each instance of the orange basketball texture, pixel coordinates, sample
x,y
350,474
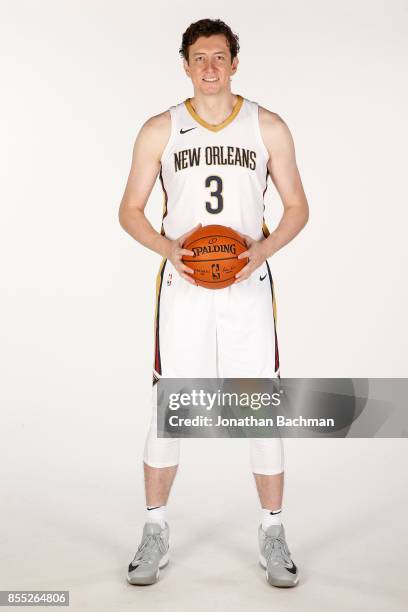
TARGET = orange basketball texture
x,y
215,261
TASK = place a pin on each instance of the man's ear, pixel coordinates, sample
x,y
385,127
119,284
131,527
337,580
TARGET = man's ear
x,y
186,68
234,65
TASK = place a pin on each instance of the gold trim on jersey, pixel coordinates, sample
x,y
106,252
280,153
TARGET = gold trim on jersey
x,y
159,283
274,307
265,229
166,199
275,319
220,126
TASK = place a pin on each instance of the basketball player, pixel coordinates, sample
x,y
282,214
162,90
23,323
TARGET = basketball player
x,y
213,154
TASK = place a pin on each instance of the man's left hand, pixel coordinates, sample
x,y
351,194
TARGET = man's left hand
x,y
256,254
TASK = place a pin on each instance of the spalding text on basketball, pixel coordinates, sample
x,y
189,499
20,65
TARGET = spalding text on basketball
x,y
214,248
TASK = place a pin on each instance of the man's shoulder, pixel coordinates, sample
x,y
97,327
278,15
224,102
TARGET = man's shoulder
x,y
270,119
155,133
274,129
158,123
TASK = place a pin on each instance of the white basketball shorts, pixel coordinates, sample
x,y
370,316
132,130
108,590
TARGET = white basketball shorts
x,y
210,333
214,333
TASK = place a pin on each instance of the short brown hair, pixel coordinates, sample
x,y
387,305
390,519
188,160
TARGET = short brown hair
x,y
209,27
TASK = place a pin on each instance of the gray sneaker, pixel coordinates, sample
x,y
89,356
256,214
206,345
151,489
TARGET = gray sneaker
x,y
275,557
151,555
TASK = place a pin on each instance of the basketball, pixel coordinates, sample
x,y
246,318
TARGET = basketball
x,y
215,261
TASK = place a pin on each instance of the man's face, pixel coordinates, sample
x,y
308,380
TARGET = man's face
x,y
209,64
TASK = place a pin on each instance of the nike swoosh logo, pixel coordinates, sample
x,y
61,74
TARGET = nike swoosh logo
x,y
132,567
185,131
292,569
261,278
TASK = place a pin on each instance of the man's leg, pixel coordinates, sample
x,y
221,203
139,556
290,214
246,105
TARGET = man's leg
x,y
160,463
248,348
158,482
270,490
185,347
161,458
267,461
267,464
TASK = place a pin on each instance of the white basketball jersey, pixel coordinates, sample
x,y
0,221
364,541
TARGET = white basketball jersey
x,y
214,174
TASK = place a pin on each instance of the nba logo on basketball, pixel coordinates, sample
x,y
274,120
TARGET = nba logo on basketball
x,y
215,270
169,279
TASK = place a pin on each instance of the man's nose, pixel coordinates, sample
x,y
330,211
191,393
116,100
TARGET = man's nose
x,y
212,62
209,63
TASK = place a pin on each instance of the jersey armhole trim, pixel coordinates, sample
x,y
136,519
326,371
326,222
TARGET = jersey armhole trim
x,y
170,141
258,131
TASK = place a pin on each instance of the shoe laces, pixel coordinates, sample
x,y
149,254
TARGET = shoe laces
x,y
147,549
276,548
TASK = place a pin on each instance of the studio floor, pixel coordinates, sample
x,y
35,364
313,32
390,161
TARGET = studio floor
x,y
344,515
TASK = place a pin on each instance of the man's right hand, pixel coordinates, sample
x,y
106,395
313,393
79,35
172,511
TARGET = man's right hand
x,y
175,253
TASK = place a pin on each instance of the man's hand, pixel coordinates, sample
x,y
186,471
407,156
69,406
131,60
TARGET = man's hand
x,y
256,254
175,253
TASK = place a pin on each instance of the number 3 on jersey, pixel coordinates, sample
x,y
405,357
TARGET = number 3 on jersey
x,y
215,183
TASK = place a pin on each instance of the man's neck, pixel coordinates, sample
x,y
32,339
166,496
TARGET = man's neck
x,y
214,109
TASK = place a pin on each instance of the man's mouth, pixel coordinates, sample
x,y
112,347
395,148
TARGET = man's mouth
x,y
210,79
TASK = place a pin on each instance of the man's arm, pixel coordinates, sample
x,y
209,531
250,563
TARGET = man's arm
x,y
149,146
285,176
147,151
